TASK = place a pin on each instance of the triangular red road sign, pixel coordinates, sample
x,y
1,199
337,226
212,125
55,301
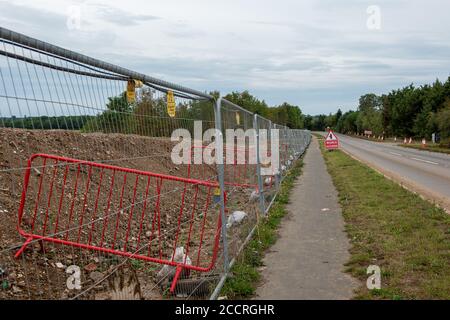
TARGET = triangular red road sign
x,y
331,136
331,141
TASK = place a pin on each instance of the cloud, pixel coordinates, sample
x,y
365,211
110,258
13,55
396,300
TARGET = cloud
x,y
318,54
30,18
52,27
121,17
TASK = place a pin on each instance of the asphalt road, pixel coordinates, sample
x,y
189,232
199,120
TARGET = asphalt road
x,y
427,173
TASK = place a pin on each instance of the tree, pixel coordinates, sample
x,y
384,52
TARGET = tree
x,y
443,122
338,115
347,122
308,121
369,102
249,102
409,111
290,116
116,118
284,114
370,115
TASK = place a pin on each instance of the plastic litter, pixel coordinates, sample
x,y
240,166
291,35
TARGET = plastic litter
x,y
168,272
235,218
254,195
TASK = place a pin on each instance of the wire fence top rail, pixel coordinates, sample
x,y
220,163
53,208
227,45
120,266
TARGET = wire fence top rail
x,y
74,56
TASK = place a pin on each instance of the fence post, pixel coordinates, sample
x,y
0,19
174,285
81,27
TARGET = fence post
x,y
220,168
278,174
258,166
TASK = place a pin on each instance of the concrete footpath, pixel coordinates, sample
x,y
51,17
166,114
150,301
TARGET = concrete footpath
x,y
307,261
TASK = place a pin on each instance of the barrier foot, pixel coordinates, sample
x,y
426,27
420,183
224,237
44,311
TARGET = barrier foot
x,y
21,250
175,279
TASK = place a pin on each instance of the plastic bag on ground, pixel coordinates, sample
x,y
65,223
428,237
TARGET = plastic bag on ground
x,y
235,218
168,272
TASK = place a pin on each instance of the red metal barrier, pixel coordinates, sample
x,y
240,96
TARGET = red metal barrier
x,y
120,211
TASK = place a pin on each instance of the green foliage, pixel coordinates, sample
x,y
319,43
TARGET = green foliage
x,y
249,102
407,112
46,123
443,122
287,115
146,115
284,114
137,264
406,236
117,117
317,123
347,122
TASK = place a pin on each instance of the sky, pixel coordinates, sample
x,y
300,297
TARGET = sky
x,y
320,55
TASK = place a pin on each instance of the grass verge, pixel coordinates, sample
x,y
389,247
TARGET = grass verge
x,y
433,148
245,273
388,226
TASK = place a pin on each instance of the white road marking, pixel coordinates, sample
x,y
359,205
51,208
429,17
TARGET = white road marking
x,y
394,153
426,161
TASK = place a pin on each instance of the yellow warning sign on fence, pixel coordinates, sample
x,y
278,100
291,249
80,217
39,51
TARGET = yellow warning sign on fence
x,y
170,104
131,89
131,94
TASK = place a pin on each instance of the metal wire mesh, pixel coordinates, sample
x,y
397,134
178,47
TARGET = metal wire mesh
x,y
56,103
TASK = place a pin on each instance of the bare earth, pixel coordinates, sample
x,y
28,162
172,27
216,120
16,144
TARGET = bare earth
x,y
37,275
308,259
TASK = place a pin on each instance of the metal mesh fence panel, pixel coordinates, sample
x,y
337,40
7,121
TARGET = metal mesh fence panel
x,y
240,175
93,205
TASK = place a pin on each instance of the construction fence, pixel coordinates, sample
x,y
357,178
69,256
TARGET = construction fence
x,y
91,202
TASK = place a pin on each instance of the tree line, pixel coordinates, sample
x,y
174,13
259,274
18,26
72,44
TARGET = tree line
x,y
46,122
284,114
147,115
411,111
